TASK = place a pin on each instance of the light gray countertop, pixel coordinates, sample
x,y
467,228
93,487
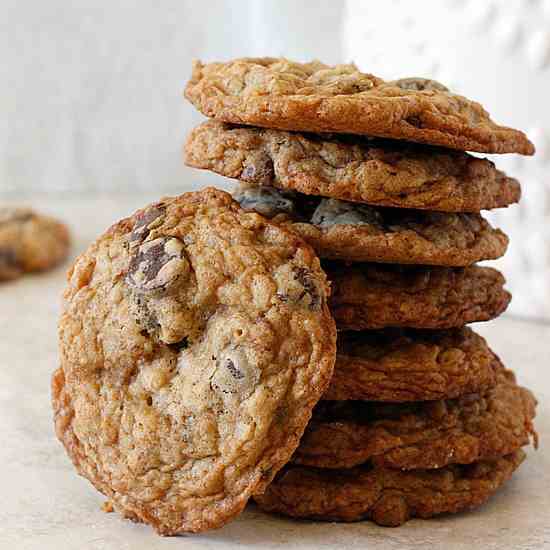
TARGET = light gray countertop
x,y
44,504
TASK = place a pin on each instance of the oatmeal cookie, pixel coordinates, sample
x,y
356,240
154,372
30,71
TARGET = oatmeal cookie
x,y
420,435
29,242
399,365
314,97
353,168
195,340
387,497
367,296
344,230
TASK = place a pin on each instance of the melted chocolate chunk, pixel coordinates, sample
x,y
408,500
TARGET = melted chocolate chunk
x,y
157,264
336,212
259,170
267,201
303,276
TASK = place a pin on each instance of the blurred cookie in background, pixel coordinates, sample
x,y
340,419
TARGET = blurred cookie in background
x,y
30,242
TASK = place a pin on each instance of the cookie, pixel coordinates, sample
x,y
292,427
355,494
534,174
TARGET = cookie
x,y
369,296
353,168
314,97
344,230
29,242
195,340
387,497
421,435
399,365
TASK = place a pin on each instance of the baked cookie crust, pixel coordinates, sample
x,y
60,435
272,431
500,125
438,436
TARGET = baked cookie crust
x,y
369,296
343,230
400,365
353,168
314,97
385,496
420,435
195,340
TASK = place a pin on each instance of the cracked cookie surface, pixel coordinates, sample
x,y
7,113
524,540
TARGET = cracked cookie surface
x,y
344,230
314,97
420,435
368,296
195,340
30,242
398,365
353,168
387,497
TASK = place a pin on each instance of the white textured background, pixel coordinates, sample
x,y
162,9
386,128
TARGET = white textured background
x,y
91,95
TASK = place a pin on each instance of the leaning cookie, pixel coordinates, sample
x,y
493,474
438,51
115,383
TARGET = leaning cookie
x,y
353,168
421,435
314,97
342,230
368,296
387,497
30,242
398,365
195,341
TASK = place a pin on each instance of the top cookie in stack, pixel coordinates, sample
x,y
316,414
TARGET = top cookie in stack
x,y
372,171
314,97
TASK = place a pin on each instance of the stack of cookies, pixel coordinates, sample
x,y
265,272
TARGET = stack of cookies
x,y
420,417
200,363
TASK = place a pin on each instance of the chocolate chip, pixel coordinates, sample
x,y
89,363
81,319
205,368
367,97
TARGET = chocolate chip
x,y
258,170
414,121
235,372
145,219
156,264
335,212
235,376
267,201
181,345
305,278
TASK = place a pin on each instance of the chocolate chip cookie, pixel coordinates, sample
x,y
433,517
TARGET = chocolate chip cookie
x,y
195,341
367,296
344,230
400,365
425,435
387,497
29,242
314,97
352,168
